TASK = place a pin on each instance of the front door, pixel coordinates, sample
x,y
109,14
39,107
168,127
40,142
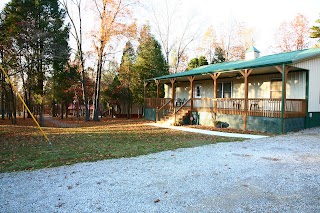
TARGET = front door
x,y
197,91
197,94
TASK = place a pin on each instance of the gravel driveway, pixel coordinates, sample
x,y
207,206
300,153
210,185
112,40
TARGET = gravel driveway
x,y
277,174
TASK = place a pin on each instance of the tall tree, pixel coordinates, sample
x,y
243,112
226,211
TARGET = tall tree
x,y
208,44
127,75
234,38
37,31
114,21
293,35
77,34
150,63
219,55
315,32
174,36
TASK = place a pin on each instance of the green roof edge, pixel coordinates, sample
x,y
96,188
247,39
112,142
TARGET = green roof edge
x,y
264,61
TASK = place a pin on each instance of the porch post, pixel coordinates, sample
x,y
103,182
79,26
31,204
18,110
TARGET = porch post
x,y
215,77
284,73
245,74
191,79
157,83
173,90
145,84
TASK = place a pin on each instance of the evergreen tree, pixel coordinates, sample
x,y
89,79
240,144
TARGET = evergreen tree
x,y
197,62
219,56
127,76
202,61
37,30
193,63
150,63
315,31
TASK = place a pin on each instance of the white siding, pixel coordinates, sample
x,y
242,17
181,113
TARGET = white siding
x,y
207,88
296,85
259,86
313,66
182,90
167,91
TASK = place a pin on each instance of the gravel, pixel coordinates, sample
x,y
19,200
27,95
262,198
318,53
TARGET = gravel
x,y
276,174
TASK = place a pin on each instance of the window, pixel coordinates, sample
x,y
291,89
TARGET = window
x,y
276,88
224,90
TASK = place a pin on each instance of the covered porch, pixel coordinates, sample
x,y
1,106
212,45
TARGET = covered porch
x,y
268,93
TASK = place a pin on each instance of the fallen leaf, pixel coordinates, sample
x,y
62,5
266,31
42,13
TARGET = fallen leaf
x,y
156,201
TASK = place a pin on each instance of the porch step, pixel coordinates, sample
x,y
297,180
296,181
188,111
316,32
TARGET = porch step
x,y
168,119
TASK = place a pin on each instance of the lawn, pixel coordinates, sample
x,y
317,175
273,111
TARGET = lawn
x,y
22,147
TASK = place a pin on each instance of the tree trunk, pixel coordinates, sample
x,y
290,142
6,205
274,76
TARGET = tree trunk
x,y
28,102
67,111
61,108
2,97
96,104
14,108
41,114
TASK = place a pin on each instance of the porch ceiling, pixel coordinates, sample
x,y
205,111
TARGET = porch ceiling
x,y
261,65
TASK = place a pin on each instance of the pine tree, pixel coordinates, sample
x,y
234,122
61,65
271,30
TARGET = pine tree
x,y
219,56
127,76
315,31
150,63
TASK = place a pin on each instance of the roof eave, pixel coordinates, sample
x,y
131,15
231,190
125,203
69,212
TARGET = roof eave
x,y
224,70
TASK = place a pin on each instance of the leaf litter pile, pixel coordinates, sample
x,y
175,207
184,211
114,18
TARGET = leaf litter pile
x,y
22,146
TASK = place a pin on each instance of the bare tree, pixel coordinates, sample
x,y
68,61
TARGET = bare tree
x,y
174,35
208,44
112,14
235,38
181,44
164,21
77,34
293,35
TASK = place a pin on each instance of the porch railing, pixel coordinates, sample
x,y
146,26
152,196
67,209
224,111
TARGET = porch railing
x,y
165,108
263,107
156,102
272,107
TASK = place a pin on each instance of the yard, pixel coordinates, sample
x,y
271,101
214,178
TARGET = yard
x,y
22,147
273,174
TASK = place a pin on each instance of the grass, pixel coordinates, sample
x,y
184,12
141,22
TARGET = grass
x,y
22,147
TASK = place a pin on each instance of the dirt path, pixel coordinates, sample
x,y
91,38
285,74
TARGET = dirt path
x,y
58,123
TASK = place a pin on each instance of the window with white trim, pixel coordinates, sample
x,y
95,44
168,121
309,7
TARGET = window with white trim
x,y
224,90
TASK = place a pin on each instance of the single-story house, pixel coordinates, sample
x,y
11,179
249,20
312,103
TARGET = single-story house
x,y
275,93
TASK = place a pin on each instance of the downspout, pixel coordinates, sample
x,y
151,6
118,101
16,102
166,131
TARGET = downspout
x,y
307,119
283,97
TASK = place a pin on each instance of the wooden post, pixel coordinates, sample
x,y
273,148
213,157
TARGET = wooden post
x,y
215,77
191,79
173,90
284,70
245,74
157,83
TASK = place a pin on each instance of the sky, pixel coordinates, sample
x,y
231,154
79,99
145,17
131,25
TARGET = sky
x,y
263,16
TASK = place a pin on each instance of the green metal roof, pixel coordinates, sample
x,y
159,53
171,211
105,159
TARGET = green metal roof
x,y
264,61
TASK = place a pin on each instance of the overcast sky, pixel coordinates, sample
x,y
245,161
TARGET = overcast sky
x,y
263,16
